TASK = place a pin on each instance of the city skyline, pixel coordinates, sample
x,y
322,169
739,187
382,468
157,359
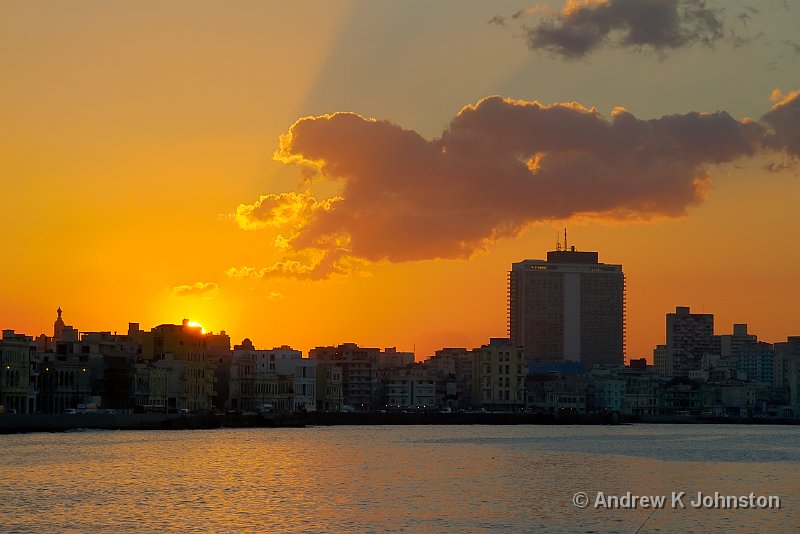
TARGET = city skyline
x,y
62,331
171,177
181,369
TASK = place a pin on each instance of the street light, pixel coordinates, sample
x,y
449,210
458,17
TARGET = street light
x,y
76,380
5,378
47,387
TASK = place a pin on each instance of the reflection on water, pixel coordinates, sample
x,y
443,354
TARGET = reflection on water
x,y
414,479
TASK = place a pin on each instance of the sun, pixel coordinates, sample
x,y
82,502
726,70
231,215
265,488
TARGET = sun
x,y
195,324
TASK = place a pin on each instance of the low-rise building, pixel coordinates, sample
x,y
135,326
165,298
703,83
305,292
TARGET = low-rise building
x,y
609,394
681,397
555,393
303,372
64,381
360,378
161,385
453,369
409,388
329,387
642,389
18,374
499,373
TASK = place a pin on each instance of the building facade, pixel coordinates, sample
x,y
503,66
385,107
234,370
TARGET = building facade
x,y
360,366
690,337
186,343
329,387
568,307
18,373
303,372
499,373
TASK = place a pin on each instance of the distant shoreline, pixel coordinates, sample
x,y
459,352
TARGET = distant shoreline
x,y
15,424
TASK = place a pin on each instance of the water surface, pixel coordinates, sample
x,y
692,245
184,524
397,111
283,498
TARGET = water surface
x,y
394,478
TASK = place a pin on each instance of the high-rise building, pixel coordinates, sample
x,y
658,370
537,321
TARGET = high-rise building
x,y
733,345
568,307
660,360
690,336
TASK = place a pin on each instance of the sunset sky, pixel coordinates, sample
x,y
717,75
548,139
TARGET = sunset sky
x,y
311,173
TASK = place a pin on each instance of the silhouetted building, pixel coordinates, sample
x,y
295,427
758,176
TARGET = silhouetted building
x,y
359,368
690,336
111,360
185,343
732,345
64,381
660,360
453,367
786,370
329,387
18,374
569,307
58,326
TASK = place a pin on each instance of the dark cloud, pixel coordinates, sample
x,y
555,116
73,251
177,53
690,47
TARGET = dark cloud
x,y
784,123
498,167
744,18
739,40
581,28
497,20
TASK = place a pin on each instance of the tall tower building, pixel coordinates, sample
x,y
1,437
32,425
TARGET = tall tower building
x,y
568,307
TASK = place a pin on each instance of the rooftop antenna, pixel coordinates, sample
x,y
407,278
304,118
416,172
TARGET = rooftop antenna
x,y
558,242
565,239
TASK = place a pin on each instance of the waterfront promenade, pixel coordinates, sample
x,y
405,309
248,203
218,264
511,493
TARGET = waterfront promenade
x,y
12,424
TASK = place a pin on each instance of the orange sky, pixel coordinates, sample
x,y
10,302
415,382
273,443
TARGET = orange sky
x,y
130,133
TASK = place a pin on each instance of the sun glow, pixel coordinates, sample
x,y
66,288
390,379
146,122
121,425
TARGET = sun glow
x,y
195,324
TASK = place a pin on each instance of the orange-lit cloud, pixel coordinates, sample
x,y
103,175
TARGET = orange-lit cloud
x,y
316,264
784,121
501,165
202,289
286,210
584,26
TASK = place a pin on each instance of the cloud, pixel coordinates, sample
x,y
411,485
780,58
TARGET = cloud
x,y
497,20
323,264
284,210
198,289
784,122
286,269
499,166
582,27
